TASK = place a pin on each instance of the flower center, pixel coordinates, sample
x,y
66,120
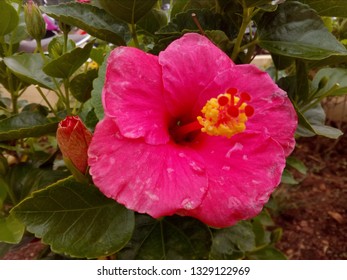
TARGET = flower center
x,y
225,115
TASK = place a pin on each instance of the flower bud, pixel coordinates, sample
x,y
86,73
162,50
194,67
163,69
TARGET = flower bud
x,y
73,140
34,21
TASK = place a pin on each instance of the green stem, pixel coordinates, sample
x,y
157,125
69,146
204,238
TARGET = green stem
x,y
134,35
66,36
39,48
246,18
46,100
67,96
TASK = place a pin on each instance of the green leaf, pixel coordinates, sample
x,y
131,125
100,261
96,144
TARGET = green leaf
x,y
28,67
92,19
26,124
76,219
331,8
184,22
152,21
65,65
233,242
81,85
180,6
8,18
297,164
281,62
56,46
316,118
128,10
24,178
98,85
11,230
220,39
288,178
257,3
3,191
295,30
330,82
173,238
267,253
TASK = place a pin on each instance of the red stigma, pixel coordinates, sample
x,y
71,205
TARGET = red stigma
x,y
249,111
232,91
223,100
233,111
245,96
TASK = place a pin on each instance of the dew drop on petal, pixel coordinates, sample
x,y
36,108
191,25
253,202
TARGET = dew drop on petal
x,y
196,167
236,147
187,204
226,168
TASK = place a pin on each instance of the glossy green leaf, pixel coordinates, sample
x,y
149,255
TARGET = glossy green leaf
x,y
8,18
20,32
316,118
26,124
28,67
11,230
92,19
98,85
267,253
331,8
81,85
233,242
65,65
25,178
128,10
173,238
330,82
295,30
76,219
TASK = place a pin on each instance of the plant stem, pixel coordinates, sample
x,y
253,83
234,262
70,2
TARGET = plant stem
x,y
46,100
67,96
246,18
134,34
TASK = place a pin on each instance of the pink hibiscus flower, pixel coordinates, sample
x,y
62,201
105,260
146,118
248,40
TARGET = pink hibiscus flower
x,y
188,132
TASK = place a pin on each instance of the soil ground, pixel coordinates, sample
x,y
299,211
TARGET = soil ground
x,y
313,214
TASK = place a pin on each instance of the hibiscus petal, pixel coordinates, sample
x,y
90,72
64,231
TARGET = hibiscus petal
x,y
274,114
155,179
133,95
242,173
189,65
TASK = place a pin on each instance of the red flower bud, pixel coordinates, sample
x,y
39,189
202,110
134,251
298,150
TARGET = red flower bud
x,y
73,140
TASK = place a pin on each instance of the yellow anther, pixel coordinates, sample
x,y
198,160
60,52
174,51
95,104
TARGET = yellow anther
x,y
225,115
